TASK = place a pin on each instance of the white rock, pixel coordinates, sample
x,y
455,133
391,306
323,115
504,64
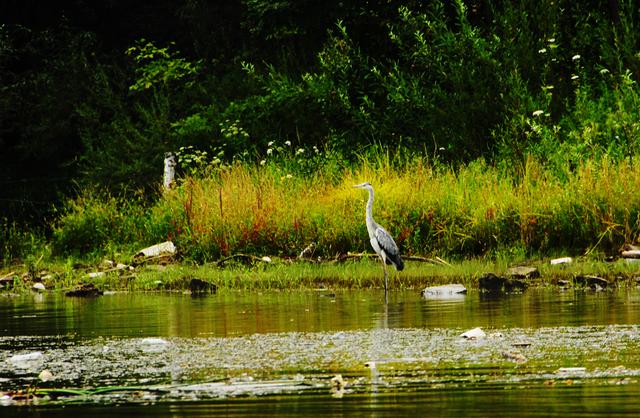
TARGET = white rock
x,y
562,260
152,340
447,291
38,287
164,248
45,376
474,334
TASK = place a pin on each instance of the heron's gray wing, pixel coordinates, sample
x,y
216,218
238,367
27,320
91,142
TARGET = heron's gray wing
x,y
386,242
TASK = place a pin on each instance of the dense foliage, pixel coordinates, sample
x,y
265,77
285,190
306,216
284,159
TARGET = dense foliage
x,y
92,95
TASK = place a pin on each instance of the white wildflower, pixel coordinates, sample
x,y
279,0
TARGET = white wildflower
x,y
287,143
263,162
574,77
270,143
300,151
542,51
269,151
538,112
575,57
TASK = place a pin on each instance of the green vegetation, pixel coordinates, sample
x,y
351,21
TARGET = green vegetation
x,y
475,210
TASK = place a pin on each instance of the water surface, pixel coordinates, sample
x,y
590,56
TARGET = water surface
x,y
547,352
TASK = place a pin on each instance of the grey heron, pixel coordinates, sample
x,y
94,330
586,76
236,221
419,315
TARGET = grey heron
x,y
381,241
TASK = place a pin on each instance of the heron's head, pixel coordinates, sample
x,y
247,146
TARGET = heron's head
x,y
364,185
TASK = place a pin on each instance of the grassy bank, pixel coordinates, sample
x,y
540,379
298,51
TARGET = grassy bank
x,y
475,211
479,217
291,275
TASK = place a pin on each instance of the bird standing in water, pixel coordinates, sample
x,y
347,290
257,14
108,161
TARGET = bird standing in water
x,y
381,241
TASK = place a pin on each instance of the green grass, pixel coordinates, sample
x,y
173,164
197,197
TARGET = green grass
x,y
284,274
476,210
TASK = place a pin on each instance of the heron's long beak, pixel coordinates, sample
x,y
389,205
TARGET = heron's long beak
x,y
358,186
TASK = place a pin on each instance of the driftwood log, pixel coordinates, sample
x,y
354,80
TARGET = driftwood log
x,y
350,256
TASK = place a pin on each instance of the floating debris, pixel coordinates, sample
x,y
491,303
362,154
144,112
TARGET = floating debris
x,y
517,357
572,370
26,361
337,386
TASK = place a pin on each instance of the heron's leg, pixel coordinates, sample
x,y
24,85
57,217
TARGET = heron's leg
x,y
384,268
386,286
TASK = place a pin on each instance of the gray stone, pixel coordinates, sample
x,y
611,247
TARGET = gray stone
x,y
594,282
523,272
489,282
446,291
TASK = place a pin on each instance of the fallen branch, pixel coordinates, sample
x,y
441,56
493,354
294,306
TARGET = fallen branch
x,y
436,260
350,256
246,257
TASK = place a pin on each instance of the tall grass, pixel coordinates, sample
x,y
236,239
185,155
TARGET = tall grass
x,y
475,210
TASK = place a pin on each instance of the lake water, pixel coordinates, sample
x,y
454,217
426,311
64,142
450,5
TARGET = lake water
x,y
546,353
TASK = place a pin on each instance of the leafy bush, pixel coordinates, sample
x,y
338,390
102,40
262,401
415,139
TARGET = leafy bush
x,y
94,222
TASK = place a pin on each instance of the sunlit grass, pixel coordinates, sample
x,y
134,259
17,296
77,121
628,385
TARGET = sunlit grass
x,y
477,210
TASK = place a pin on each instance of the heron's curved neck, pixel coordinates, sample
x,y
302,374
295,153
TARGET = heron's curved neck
x,y
370,221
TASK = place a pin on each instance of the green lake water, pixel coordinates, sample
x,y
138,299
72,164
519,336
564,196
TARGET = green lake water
x,y
546,352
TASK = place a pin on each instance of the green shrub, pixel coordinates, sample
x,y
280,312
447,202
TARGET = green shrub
x,y
94,222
